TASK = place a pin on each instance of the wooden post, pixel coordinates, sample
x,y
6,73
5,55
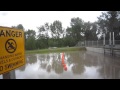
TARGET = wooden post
x,y
85,43
113,44
110,39
9,75
104,42
110,44
88,43
97,43
92,43
113,40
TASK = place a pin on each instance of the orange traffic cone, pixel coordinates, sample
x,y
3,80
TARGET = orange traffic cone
x,y
63,57
63,63
65,68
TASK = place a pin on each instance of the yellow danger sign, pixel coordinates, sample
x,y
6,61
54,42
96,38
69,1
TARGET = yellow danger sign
x,y
12,49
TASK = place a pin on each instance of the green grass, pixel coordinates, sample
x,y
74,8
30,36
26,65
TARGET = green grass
x,y
65,49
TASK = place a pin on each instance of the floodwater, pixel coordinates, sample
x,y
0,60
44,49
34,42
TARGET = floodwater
x,y
80,65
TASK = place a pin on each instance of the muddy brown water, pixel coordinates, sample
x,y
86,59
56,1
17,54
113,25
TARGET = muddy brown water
x,y
80,65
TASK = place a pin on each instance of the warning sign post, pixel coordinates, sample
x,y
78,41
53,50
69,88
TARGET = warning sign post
x,y
12,49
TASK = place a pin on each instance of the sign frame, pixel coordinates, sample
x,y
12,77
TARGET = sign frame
x,y
14,53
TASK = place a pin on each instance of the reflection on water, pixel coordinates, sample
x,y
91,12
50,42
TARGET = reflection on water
x,y
80,65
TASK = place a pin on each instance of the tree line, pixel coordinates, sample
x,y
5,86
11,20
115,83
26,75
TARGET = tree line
x,y
54,35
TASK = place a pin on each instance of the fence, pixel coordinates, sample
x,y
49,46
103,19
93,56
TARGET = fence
x,y
98,43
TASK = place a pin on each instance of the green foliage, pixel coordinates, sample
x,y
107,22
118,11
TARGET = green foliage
x,y
53,35
60,37
19,26
30,42
56,29
43,37
90,31
56,50
109,22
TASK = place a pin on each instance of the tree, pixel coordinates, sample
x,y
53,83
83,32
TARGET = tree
x,y
30,33
30,40
109,22
19,26
43,37
94,31
90,31
77,28
74,33
57,30
87,31
69,39
47,29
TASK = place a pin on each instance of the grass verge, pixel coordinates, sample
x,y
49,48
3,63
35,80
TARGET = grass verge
x,y
64,49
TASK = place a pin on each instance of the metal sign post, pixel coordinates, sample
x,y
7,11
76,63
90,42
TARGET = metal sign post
x,y
9,75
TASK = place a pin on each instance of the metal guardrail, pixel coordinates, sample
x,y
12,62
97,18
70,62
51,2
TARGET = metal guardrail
x,y
98,43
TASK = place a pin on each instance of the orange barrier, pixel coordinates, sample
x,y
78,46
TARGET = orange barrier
x,y
63,62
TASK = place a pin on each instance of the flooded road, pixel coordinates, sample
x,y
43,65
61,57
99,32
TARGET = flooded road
x,y
80,65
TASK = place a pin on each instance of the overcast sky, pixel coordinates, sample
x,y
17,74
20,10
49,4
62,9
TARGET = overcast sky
x,y
33,19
